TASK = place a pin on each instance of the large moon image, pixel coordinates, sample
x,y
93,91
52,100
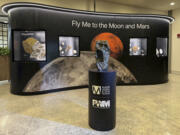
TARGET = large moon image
x,y
73,71
115,44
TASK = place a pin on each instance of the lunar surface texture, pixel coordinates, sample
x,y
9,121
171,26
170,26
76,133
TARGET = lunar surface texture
x,y
65,72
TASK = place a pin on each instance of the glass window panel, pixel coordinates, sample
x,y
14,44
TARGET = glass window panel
x,y
4,29
4,25
4,38
5,33
5,42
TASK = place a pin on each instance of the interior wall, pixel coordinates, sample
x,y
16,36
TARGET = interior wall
x,y
104,6
175,47
101,6
170,43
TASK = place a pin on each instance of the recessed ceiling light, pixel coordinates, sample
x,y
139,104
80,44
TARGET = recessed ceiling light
x,y
172,3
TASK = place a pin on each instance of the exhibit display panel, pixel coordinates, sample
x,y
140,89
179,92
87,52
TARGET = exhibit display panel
x,y
53,48
138,46
69,46
162,47
29,46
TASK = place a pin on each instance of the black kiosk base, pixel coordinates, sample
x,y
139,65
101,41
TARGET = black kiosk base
x,y
102,100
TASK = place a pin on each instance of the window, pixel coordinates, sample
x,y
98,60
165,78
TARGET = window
x,y
3,35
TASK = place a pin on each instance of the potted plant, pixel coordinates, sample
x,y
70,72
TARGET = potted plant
x,y
4,63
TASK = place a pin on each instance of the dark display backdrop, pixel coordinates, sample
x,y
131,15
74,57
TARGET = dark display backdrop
x,y
148,69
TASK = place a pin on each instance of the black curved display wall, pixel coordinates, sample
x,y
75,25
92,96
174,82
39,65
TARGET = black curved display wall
x,y
53,48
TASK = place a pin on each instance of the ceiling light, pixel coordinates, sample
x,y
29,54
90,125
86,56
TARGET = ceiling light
x,y
172,3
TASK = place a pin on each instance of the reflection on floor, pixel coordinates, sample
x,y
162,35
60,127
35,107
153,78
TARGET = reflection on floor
x,y
141,110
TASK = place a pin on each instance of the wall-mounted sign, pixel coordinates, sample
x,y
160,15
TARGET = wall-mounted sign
x,y
178,35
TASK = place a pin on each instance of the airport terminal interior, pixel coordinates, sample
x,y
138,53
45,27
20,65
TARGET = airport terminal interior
x,y
89,67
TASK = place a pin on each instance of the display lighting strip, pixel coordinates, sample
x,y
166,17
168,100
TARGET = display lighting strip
x,y
6,9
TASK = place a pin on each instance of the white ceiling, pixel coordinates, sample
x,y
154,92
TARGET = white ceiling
x,y
151,4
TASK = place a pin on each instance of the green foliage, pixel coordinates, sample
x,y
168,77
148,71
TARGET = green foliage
x,y
4,51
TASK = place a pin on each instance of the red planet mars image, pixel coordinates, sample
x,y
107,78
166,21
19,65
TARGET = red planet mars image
x,y
115,44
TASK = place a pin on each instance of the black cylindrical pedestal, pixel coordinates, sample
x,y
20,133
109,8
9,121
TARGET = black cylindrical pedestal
x,y
102,100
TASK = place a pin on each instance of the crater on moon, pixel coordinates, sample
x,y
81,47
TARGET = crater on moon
x,y
65,72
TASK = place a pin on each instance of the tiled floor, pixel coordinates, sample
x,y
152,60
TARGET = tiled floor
x,y
141,110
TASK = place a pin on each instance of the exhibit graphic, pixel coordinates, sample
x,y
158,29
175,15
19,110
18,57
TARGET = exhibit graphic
x,y
138,46
29,46
68,46
56,53
63,73
115,44
161,48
